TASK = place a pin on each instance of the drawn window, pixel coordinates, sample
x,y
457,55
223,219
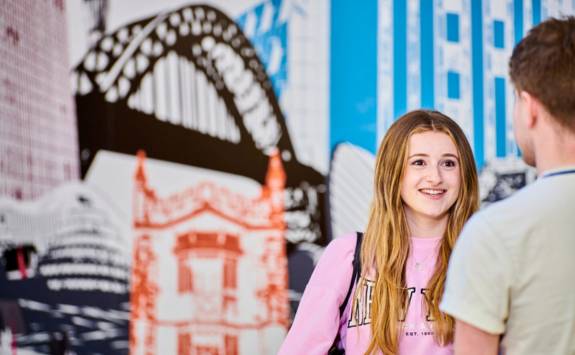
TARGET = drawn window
x,y
184,344
231,345
207,350
230,278
185,278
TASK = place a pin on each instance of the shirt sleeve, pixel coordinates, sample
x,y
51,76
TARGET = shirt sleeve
x,y
317,320
479,278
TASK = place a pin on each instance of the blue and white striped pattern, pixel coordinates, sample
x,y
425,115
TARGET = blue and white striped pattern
x,y
453,55
264,26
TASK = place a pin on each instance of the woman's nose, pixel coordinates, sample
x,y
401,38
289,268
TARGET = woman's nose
x,y
434,174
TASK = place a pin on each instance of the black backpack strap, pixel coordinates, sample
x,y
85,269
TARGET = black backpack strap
x,y
356,271
334,350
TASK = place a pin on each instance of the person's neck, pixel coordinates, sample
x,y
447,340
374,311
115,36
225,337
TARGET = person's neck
x,y
555,149
423,227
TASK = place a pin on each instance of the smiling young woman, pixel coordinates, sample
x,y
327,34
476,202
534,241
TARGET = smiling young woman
x,y
425,189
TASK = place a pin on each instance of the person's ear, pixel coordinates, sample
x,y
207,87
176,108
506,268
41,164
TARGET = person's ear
x,y
532,109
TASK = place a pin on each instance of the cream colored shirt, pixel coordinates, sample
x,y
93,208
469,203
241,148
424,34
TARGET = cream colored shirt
x,y
512,271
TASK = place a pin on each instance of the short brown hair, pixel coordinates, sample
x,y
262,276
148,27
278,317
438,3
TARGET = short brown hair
x,y
543,64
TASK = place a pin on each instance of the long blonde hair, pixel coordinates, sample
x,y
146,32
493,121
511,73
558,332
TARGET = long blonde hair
x,y
386,242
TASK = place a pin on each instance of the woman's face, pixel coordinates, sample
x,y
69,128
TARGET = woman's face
x,y
431,177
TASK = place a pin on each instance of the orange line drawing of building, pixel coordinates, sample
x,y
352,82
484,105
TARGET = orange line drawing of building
x,y
209,273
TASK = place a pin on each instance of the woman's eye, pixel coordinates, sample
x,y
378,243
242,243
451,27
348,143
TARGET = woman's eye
x,y
418,162
449,163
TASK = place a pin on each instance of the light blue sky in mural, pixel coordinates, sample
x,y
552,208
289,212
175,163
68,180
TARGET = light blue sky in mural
x,y
392,56
268,33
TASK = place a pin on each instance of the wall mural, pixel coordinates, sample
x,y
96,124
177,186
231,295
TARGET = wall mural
x,y
174,196
188,87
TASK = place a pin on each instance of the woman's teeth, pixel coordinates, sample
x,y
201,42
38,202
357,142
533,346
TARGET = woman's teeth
x,y
433,191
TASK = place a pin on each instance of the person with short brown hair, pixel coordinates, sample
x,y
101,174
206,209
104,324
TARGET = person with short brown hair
x,y
543,65
511,278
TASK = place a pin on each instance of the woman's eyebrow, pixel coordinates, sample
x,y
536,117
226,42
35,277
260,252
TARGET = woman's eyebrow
x,y
449,155
418,155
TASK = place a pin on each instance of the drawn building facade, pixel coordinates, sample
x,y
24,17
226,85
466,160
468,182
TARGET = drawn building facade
x,y
209,269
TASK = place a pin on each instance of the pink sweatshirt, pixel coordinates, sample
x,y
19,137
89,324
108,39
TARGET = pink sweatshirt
x,y
317,320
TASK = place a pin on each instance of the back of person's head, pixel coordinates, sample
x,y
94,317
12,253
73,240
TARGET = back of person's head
x,y
386,242
543,65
